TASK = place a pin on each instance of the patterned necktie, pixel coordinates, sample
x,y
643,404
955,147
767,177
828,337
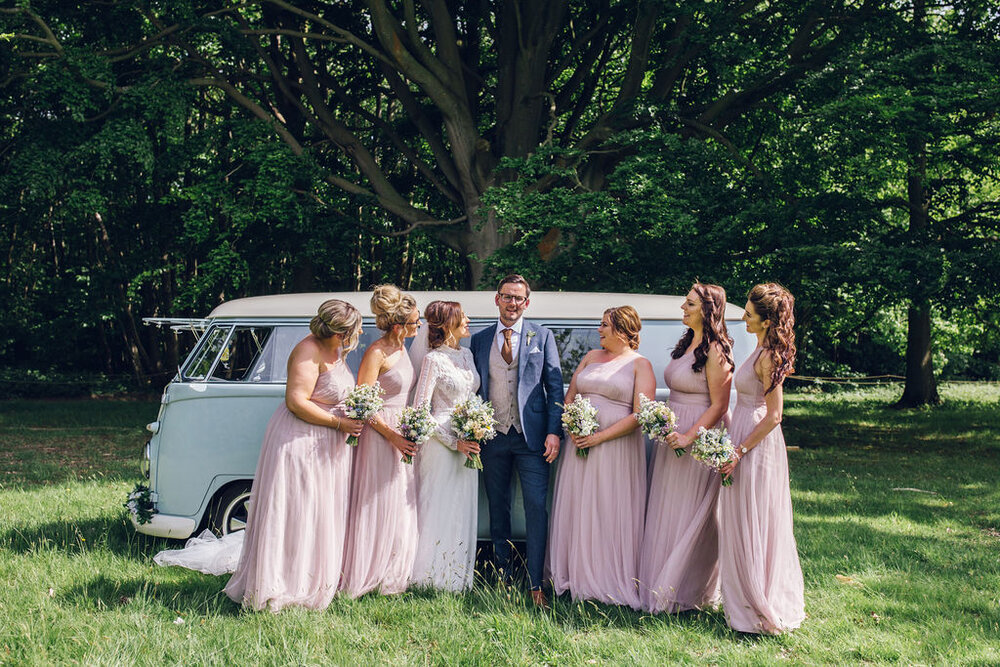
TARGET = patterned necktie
x,y
505,350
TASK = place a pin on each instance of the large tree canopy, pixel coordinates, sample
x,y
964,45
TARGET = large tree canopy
x,y
408,108
158,158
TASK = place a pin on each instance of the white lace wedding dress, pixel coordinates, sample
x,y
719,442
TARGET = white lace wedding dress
x,y
447,491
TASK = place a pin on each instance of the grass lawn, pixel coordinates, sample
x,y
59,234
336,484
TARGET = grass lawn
x,y
897,519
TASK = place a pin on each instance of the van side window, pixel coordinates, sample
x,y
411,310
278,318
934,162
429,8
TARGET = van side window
x,y
573,344
240,354
202,360
272,365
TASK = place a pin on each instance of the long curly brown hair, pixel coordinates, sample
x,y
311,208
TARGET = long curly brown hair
x,y
442,318
713,316
776,305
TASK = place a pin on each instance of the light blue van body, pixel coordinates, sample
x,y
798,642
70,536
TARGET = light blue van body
x,y
206,439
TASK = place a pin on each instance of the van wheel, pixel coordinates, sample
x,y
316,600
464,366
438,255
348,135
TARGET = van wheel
x,y
229,509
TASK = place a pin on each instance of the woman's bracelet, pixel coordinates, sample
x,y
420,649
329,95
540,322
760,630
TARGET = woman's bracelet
x,y
337,425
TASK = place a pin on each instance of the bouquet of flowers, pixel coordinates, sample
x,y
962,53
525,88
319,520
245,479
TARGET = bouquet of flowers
x,y
140,504
416,425
580,419
472,419
656,420
714,448
364,401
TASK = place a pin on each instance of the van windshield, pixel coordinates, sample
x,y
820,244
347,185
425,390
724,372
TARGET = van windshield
x,y
255,353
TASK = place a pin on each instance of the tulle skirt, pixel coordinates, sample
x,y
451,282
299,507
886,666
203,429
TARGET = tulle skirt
x,y
762,587
679,565
297,522
382,533
597,516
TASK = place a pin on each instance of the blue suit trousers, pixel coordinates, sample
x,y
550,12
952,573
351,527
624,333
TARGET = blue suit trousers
x,y
501,456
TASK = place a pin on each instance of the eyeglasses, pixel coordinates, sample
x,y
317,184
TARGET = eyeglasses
x,y
415,322
513,298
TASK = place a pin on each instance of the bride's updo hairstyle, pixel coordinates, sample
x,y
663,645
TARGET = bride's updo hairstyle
x,y
337,317
391,306
776,305
713,325
625,322
442,317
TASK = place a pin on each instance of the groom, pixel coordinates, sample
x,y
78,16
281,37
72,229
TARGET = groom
x,y
519,366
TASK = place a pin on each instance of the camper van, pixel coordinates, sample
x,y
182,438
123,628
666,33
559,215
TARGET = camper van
x,y
204,444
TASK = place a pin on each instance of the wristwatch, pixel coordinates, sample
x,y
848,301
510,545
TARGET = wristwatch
x,y
743,452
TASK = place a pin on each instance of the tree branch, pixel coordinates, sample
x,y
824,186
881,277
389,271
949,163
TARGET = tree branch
x,y
50,37
722,139
348,36
315,36
387,30
118,55
423,124
645,21
425,169
430,61
415,225
254,108
387,195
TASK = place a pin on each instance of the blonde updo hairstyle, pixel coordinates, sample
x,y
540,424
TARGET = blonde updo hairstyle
x,y
337,317
626,323
442,318
391,306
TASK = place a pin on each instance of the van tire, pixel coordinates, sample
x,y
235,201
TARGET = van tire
x,y
228,513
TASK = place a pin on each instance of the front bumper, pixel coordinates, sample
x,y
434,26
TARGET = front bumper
x,y
165,525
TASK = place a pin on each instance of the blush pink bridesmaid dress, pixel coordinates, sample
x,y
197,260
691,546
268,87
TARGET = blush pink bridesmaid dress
x,y
679,565
297,522
762,588
599,503
382,529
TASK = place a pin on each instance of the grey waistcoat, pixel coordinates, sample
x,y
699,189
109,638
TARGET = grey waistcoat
x,y
503,391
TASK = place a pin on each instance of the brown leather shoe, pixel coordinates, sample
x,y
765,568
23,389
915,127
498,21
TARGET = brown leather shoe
x,y
538,599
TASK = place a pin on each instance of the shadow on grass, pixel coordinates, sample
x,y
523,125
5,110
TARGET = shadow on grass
x,y
194,594
113,533
866,426
496,593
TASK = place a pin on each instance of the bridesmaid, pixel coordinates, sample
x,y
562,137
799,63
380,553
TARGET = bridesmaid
x,y
382,533
597,514
760,574
294,543
679,565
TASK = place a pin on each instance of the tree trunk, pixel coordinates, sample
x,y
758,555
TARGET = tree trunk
x,y
479,245
921,387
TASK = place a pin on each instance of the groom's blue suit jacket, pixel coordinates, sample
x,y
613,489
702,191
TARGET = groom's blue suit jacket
x,y
539,380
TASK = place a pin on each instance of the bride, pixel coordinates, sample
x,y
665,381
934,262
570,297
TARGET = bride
x,y
447,491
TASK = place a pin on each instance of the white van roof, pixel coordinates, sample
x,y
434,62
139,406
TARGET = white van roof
x,y
479,304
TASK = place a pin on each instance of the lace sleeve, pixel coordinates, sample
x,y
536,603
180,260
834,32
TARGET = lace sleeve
x,y
444,433
430,373
426,381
